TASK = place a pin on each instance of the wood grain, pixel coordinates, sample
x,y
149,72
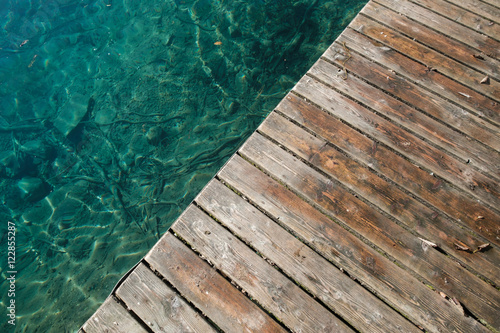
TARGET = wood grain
x,y
428,57
493,3
475,39
474,9
161,308
217,298
479,297
441,164
478,156
389,281
430,115
473,19
376,156
114,318
263,283
438,84
411,213
363,310
433,39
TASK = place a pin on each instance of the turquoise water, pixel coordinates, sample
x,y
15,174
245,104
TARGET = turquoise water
x,y
113,116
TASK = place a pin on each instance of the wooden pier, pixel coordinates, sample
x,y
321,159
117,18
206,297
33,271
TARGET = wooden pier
x,y
368,200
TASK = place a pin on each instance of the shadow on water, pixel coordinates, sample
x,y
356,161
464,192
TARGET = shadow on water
x,y
115,113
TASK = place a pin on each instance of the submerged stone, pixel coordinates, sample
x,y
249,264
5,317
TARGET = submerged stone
x,y
9,164
33,189
71,114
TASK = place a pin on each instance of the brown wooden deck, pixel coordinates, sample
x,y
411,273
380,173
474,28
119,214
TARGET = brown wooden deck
x,y
369,203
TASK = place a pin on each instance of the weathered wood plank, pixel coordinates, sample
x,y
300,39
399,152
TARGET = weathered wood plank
x,y
493,3
386,196
477,40
437,83
473,8
451,169
344,296
218,299
422,34
449,115
483,158
112,317
161,308
445,274
427,56
390,282
467,18
417,181
263,283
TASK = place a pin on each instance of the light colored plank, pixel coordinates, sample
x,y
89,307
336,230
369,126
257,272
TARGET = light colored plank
x,y
480,298
493,3
469,101
477,40
478,156
112,317
464,125
390,282
477,10
161,308
386,196
263,283
468,18
199,283
420,183
453,170
437,41
427,56
357,306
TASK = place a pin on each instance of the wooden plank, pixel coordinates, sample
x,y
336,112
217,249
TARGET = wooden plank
x,y
445,274
493,3
427,57
112,317
477,40
390,282
477,10
218,299
451,169
430,106
160,307
263,283
467,18
344,296
471,101
478,156
435,40
376,156
407,210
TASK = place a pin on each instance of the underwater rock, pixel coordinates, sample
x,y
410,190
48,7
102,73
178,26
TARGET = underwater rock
x,y
72,113
38,213
9,164
138,144
38,148
33,189
155,135
105,115
128,160
67,212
